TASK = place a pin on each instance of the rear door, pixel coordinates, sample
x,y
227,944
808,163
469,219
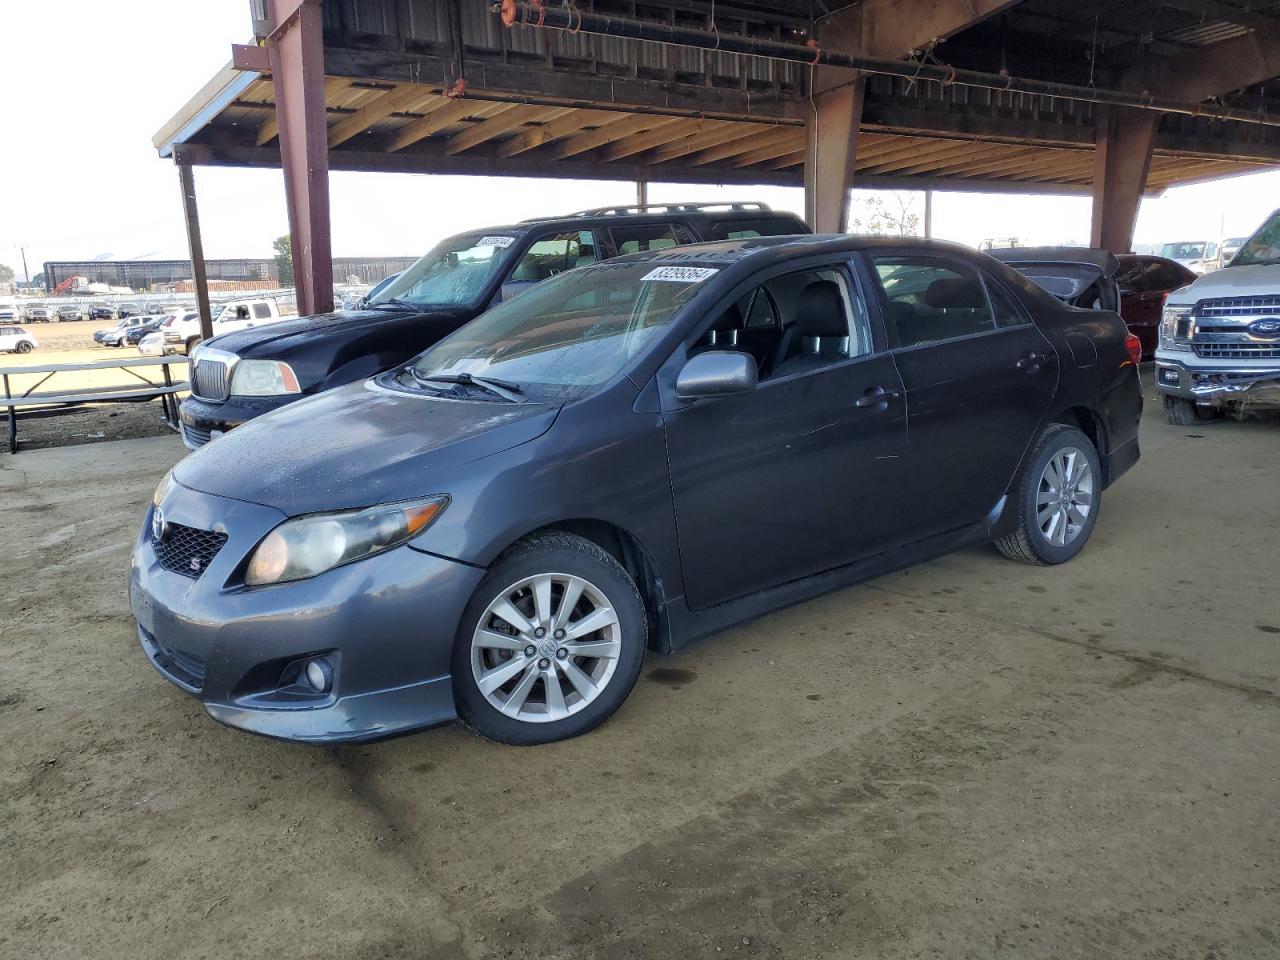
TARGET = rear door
x,y
979,378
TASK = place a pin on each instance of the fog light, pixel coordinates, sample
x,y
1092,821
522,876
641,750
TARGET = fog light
x,y
319,675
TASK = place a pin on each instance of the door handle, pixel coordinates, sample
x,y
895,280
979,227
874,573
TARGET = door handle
x,y
877,398
1032,362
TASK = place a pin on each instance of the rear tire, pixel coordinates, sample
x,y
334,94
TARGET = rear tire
x,y
1057,497
521,682
23,347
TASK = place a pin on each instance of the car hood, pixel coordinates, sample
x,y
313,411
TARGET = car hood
x,y
356,446
270,340
1261,279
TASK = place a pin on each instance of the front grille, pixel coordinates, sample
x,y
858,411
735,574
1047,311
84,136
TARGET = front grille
x,y
1237,351
209,379
1239,307
186,550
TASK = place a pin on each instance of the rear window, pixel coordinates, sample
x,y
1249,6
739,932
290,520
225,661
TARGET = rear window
x,y
261,311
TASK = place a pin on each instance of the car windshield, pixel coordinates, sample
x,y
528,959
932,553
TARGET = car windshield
x,y
454,274
570,334
1263,246
1182,251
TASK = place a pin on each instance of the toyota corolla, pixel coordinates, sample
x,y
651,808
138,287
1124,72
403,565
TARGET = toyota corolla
x,y
628,457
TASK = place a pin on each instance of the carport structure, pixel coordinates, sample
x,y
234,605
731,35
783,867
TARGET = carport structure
x,y
1088,97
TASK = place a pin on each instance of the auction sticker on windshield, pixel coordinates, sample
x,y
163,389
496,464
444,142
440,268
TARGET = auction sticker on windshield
x,y
495,241
681,274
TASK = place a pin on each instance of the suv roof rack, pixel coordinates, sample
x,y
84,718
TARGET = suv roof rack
x,y
639,208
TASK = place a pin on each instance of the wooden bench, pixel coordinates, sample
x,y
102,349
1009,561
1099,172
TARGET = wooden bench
x,y
66,401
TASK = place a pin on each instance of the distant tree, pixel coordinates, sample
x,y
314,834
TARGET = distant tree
x,y
38,280
882,218
284,258
6,274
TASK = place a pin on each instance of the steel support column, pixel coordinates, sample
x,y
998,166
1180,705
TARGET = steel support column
x,y
831,146
296,48
196,245
1122,159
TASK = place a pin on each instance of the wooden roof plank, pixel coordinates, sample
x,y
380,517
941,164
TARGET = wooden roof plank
x,y
446,116
504,122
607,133
395,100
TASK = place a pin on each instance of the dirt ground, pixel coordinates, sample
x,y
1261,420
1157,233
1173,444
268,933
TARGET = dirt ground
x,y
972,758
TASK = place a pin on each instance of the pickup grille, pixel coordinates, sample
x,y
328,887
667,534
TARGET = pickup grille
x,y
1238,351
1239,307
209,380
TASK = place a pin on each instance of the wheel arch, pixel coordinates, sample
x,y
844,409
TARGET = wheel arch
x,y
1091,424
626,548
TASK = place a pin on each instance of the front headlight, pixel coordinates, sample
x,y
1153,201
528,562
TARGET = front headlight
x,y
263,378
308,546
1175,328
162,488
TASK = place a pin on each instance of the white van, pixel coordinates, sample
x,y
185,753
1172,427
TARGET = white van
x,y
182,331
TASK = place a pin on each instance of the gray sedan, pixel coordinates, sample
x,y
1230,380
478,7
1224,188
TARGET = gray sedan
x,y
625,458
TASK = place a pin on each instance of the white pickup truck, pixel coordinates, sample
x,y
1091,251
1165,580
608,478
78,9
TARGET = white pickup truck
x,y
1219,349
182,331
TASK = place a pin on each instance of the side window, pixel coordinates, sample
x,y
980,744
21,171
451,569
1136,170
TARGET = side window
x,y
931,299
793,323
746,229
261,311
1005,306
554,253
655,236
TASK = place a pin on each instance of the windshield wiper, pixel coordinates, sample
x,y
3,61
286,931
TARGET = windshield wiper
x,y
511,392
396,302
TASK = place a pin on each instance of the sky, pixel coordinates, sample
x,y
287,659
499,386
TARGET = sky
x,y
79,178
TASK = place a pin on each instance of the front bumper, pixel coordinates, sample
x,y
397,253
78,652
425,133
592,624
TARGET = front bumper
x,y
203,420
1183,374
386,626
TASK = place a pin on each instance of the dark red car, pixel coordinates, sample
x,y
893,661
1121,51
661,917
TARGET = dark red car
x,y
1145,283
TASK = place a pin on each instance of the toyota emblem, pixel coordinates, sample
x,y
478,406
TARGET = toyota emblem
x,y
159,525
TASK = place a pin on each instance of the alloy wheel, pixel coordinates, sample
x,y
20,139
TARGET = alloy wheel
x,y
1064,499
546,647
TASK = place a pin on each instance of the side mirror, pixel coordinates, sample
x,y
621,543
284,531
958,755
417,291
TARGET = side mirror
x,y
717,373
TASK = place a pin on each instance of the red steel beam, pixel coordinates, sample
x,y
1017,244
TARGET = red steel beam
x,y
296,50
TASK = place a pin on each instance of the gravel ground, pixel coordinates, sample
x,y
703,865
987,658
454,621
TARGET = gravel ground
x,y
971,758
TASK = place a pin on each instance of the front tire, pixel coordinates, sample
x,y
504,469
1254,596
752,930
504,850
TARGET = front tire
x,y
550,644
23,347
1057,498
1181,412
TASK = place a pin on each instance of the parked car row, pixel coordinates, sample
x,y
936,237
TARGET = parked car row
x,y
549,448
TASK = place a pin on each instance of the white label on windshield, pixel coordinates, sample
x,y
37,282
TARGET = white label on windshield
x,y
681,274
495,241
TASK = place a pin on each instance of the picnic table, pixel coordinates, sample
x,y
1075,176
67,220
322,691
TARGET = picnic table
x,y
49,402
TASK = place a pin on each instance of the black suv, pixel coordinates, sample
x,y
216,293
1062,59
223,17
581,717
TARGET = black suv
x,y
241,375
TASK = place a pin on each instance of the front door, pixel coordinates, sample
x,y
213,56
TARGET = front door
x,y
804,473
979,378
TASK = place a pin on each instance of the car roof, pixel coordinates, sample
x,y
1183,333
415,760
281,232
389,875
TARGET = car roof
x,y
661,213
767,250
